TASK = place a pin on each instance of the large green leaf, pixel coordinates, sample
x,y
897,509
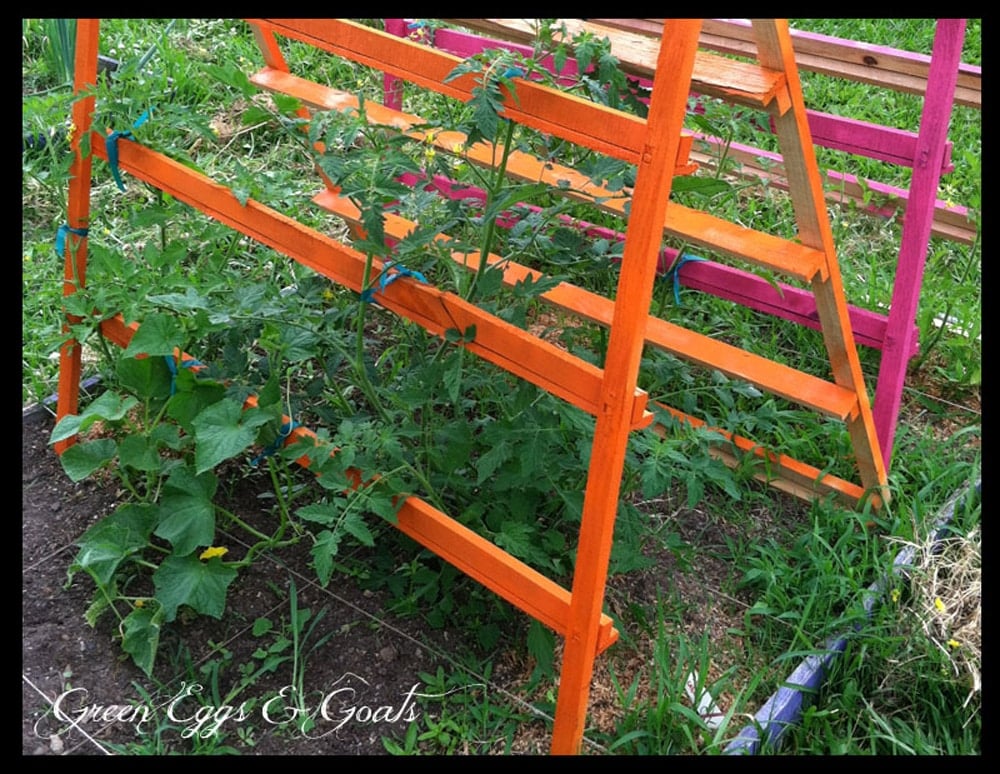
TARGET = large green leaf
x,y
138,452
187,513
224,430
324,513
192,396
186,580
147,377
488,463
82,459
188,301
141,636
354,523
159,334
108,407
113,539
324,549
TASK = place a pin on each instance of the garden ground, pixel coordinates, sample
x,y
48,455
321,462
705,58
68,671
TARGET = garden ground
x,y
370,659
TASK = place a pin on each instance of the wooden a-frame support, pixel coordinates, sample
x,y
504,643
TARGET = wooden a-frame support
x,y
611,395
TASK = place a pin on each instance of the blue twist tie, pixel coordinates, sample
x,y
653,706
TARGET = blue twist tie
x,y
111,146
386,279
513,72
675,270
65,229
275,446
172,367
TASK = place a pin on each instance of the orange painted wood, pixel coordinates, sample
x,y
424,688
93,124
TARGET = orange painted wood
x,y
267,42
480,559
549,110
499,342
78,210
800,387
809,201
513,580
625,345
738,82
612,395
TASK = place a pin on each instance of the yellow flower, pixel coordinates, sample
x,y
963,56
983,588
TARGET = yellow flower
x,y
954,643
140,603
208,553
896,594
328,295
939,605
458,147
71,132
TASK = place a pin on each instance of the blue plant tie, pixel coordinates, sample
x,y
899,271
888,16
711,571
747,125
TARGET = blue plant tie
x,y
513,72
65,229
276,444
111,146
675,270
172,367
386,279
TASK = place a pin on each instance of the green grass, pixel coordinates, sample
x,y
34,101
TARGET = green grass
x,y
795,576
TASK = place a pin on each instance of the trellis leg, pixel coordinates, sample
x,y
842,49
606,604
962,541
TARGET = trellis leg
x,y
635,288
806,188
78,208
273,58
918,218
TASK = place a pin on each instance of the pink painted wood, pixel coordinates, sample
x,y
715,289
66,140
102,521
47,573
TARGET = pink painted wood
x,y
942,79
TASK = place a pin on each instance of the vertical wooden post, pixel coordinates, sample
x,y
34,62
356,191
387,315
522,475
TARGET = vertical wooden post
x,y
643,238
75,269
918,219
392,86
805,185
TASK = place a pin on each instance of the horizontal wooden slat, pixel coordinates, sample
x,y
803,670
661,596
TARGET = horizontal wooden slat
x,y
891,68
825,397
700,228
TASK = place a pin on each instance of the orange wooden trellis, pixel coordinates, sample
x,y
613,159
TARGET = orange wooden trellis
x,y
658,147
